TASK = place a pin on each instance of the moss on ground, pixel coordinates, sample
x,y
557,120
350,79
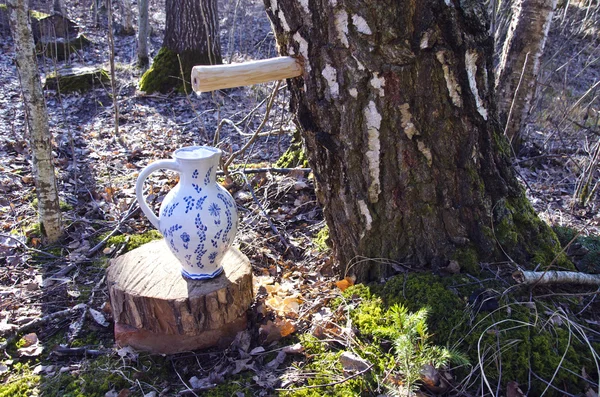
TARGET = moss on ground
x,y
393,339
321,239
133,241
20,382
98,376
514,338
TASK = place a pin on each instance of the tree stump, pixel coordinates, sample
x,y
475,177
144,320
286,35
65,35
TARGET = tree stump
x,y
155,309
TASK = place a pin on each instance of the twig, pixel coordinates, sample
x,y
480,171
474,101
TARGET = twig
x,y
273,228
132,209
27,247
78,325
268,169
78,351
41,320
260,127
330,383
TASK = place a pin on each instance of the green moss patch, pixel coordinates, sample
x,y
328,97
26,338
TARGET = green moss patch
x,y
503,342
165,74
393,342
133,241
321,239
294,156
20,382
527,238
79,79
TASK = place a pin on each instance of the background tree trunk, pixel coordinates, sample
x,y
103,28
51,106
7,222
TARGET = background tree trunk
x,y
142,52
520,62
397,113
59,6
126,16
192,32
37,117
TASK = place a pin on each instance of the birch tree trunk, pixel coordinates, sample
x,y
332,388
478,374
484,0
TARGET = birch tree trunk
x,y
142,52
192,34
396,109
520,63
37,117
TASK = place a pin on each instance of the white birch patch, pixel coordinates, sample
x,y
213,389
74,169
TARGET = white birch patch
x,y
284,23
453,88
331,77
378,83
424,41
341,26
364,210
333,3
471,64
373,120
358,63
425,151
274,6
304,4
406,120
361,25
303,48
448,3
353,92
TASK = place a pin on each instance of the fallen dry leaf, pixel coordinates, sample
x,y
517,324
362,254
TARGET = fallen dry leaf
x,y
345,283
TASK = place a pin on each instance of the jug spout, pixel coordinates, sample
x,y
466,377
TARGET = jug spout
x,y
198,163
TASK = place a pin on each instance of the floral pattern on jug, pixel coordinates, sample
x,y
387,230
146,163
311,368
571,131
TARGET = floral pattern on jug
x,y
198,218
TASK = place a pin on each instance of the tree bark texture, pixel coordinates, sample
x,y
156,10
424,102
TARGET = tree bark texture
x,y
397,113
192,26
40,138
142,52
126,16
60,7
520,62
192,34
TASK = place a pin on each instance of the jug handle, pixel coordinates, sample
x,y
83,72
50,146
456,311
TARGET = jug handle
x,y
139,187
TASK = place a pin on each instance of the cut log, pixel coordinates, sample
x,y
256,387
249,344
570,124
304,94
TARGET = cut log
x,y
157,310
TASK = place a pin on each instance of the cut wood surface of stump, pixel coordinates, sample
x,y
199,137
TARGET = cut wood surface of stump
x,y
157,310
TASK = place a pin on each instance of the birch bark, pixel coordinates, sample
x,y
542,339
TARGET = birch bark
x,y
40,138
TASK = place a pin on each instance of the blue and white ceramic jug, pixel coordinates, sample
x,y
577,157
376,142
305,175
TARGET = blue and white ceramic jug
x,y
198,218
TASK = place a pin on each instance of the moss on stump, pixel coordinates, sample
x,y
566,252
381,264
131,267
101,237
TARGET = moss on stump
x,y
165,73
79,79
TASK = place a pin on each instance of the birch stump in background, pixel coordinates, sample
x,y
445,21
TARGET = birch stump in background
x,y
520,63
40,139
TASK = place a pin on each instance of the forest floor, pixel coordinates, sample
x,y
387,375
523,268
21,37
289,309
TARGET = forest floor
x,y
72,351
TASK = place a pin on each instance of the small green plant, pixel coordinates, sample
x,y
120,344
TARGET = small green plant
x,y
395,342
